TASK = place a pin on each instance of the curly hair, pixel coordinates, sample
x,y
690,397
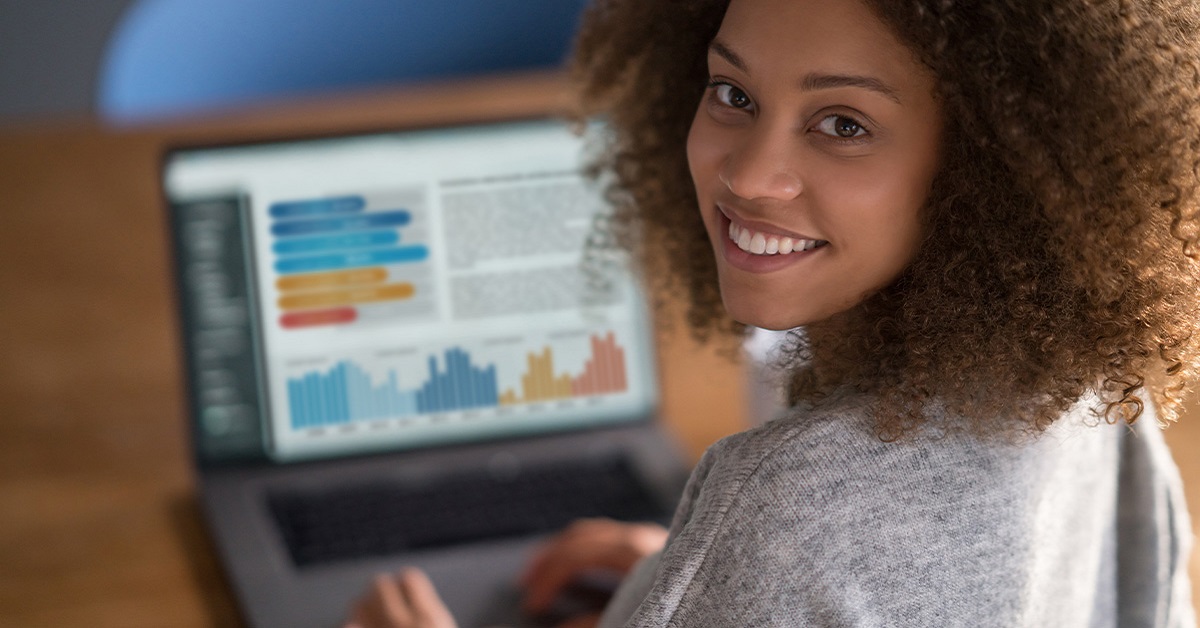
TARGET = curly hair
x,y
1061,229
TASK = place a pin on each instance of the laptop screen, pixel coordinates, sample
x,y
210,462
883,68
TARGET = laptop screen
x,y
390,291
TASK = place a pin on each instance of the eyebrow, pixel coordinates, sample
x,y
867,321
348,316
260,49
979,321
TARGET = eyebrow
x,y
814,81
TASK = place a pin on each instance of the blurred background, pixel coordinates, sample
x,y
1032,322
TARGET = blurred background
x,y
98,523
131,61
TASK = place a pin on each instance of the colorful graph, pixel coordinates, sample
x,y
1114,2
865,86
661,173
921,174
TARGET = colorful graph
x,y
604,372
332,257
346,392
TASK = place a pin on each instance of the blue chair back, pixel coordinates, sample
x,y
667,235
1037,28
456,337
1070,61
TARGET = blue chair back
x,y
170,57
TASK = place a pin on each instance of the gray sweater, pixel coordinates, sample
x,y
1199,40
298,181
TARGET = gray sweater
x,y
810,520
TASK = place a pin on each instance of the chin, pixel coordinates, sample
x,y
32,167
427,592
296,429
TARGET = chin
x,y
763,316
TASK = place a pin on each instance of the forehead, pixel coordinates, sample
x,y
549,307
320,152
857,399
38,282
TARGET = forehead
x,y
796,37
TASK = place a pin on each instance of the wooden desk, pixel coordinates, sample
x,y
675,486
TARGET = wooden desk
x,y
98,526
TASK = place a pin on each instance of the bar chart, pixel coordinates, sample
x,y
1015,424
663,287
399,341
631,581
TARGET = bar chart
x,y
603,372
336,255
347,392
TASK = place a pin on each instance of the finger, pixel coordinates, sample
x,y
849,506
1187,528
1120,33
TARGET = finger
x,y
427,606
575,541
368,611
562,569
569,535
395,608
587,546
582,621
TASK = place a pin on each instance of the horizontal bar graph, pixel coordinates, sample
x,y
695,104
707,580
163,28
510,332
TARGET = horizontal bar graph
x,y
346,392
335,256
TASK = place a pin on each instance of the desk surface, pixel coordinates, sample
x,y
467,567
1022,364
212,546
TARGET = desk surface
x,y
98,525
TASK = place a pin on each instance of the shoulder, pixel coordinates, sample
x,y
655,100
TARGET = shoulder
x,y
820,457
833,526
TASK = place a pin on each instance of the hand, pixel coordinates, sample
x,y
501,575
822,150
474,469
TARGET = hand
x,y
586,546
405,600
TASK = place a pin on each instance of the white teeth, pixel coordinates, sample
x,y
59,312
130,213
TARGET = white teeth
x,y
758,244
765,244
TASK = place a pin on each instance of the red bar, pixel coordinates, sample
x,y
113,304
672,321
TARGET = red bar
x,y
597,363
621,383
312,318
610,366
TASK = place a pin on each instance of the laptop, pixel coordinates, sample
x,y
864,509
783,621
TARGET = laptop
x,y
399,351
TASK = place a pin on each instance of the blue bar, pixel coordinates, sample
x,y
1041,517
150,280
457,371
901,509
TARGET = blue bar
x,y
327,399
493,397
472,382
343,403
442,398
456,372
318,207
334,381
360,403
319,244
313,407
331,397
292,402
398,218
438,400
338,261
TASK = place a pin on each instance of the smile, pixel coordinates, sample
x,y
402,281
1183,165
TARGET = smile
x,y
761,243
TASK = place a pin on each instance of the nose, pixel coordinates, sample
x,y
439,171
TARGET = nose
x,y
763,166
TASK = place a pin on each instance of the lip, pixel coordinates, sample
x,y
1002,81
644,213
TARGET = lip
x,y
732,216
757,263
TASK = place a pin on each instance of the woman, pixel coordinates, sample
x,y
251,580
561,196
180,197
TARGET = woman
x,y
983,218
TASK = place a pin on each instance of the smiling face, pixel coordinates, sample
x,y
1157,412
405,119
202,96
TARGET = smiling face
x,y
812,152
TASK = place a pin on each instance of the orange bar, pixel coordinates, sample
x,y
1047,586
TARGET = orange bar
x,y
332,280
339,298
545,381
527,378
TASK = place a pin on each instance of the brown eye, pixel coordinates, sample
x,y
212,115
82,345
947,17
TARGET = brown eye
x,y
732,96
846,127
840,126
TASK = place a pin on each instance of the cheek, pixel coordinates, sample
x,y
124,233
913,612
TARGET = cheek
x,y
703,153
883,199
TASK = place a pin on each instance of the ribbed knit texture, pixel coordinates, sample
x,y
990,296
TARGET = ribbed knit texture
x,y
810,520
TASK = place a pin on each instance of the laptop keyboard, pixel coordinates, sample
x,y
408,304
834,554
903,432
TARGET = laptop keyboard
x,y
383,518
